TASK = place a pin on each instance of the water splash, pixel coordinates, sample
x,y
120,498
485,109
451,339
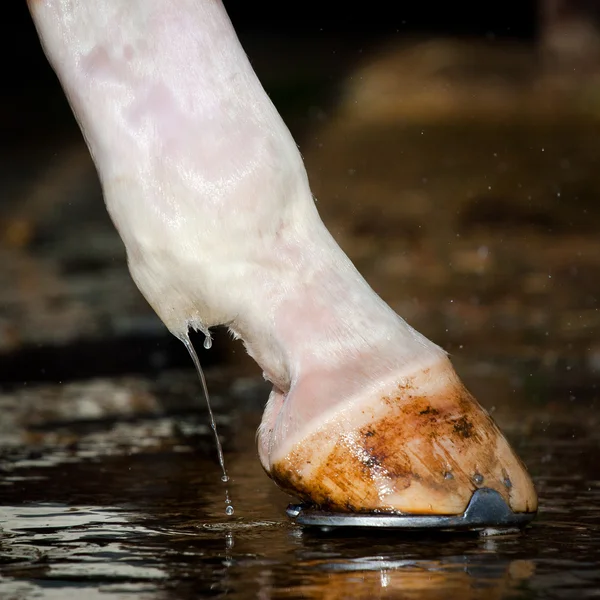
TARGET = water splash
x,y
224,477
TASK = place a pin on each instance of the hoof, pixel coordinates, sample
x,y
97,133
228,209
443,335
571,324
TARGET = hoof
x,y
422,449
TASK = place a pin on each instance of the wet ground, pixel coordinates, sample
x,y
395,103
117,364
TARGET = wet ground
x,y
463,182
114,506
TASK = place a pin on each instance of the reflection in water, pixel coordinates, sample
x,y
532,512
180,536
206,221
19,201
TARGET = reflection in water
x,y
57,547
118,509
376,577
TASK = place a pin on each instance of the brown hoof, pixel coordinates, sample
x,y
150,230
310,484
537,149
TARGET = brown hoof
x,y
422,449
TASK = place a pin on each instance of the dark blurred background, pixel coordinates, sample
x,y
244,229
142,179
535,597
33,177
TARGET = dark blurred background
x,y
453,150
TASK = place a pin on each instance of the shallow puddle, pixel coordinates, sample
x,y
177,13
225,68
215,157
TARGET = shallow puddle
x,y
133,507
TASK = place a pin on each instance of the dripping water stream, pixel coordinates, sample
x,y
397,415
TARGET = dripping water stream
x,y
224,477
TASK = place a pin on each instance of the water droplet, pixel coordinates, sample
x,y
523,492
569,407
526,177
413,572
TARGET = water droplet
x,y
229,542
194,356
478,478
507,482
229,510
448,475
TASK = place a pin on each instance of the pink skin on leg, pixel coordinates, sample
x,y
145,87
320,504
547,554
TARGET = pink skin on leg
x,y
210,196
